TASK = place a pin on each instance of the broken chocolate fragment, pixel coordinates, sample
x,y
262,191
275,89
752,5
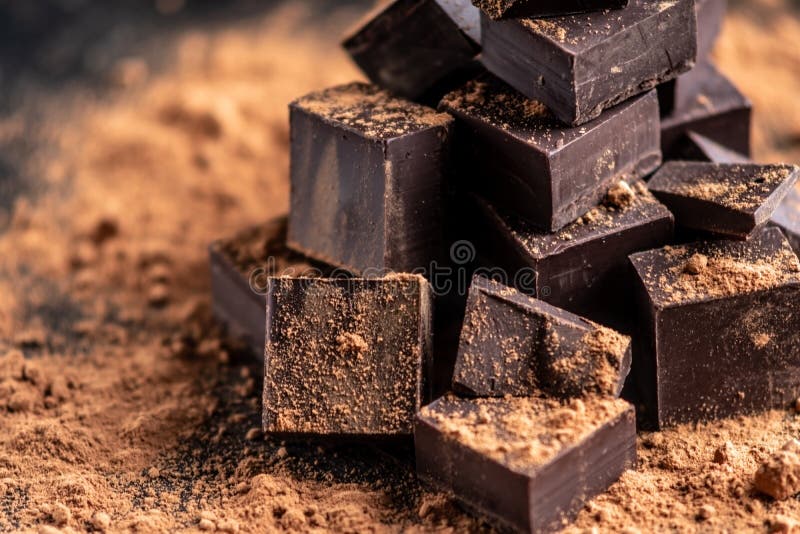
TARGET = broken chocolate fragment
x,y
696,147
346,357
578,65
240,266
517,9
714,109
710,16
724,199
528,464
366,172
582,268
514,344
722,339
523,160
411,46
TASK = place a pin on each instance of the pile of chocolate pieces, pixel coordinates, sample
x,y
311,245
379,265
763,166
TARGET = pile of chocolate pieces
x,y
461,228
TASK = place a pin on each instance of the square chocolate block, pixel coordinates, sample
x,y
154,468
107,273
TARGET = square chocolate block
x,y
346,357
240,266
518,9
696,147
411,46
710,16
526,162
528,464
579,65
787,217
582,268
730,200
514,344
720,331
718,111
366,172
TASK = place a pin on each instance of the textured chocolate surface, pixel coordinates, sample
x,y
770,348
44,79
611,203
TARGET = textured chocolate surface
x,y
240,266
366,173
582,268
514,344
527,464
578,65
410,46
718,111
520,157
724,199
346,357
720,332
515,9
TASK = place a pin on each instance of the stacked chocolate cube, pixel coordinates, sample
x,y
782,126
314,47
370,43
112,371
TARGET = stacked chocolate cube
x,y
537,174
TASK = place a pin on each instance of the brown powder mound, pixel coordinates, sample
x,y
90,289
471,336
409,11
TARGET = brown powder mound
x,y
779,476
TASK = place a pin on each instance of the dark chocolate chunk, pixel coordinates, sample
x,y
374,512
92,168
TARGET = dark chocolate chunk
x,y
710,16
517,9
578,65
717,111
696,147
366,171
514,344
528,464
526,162
720,332
728,200
346,357
787,217
583,268
240,266
410,46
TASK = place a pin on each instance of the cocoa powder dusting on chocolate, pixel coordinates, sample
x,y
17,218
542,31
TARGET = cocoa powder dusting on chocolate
x,y
117,415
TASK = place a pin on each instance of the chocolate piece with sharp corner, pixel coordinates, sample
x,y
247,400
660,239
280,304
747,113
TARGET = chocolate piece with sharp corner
x,y
411,46
240,266
717,110
583,267
787,217
578,65
720,332
729,200
514,344
696,147
366,179
517,9
526,464
523,160
346,357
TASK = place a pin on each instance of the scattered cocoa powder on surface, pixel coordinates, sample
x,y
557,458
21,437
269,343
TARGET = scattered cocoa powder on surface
x,y
109,387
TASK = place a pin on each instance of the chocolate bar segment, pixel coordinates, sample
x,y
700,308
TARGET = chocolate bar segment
x,y
523,160
578,65
517,9
514,344
723,199
720,334
526,464
240,266
411,46
366,173
717,111
787,218
696,147
346,357
582,268
710,16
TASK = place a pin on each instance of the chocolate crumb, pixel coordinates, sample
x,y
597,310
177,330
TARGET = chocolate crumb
x,y
779,476
621,195
696,264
